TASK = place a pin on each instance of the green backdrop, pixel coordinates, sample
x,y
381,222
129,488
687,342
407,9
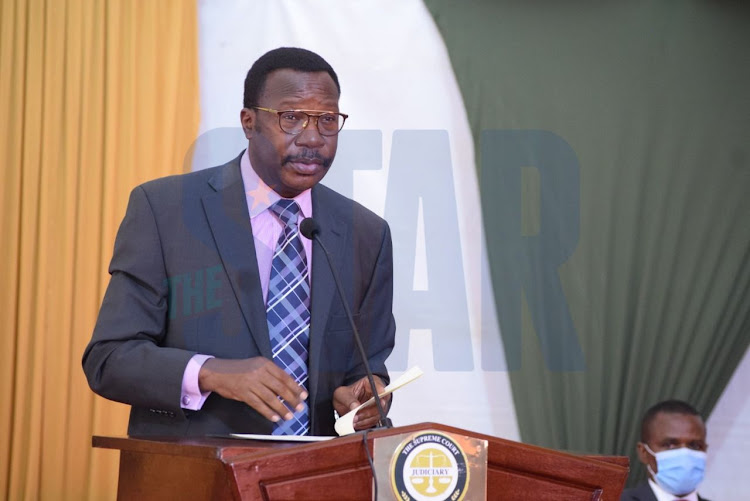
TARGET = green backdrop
x,y
652,97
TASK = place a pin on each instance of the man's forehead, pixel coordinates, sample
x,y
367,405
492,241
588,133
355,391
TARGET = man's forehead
x,y
674,425
290,85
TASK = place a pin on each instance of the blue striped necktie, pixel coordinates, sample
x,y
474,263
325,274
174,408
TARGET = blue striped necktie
x,y
288,310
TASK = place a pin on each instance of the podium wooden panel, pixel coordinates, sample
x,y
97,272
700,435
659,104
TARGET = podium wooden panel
x,y
224,468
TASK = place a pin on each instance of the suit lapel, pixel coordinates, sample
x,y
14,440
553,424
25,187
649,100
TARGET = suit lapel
x,y
333,234
229,219
645,492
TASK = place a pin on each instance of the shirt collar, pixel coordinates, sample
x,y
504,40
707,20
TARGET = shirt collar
x,y
260,196
662,495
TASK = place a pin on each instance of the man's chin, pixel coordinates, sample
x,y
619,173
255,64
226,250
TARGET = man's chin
x,y
296,184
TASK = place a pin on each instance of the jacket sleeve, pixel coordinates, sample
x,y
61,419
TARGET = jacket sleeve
x,y
125,359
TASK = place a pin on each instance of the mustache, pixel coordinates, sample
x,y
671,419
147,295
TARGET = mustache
x,y
307,156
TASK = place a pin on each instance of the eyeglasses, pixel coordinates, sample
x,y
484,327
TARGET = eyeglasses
x,y
295,121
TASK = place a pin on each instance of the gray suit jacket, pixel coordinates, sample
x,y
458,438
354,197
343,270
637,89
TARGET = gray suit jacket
x,y
642,492
185,281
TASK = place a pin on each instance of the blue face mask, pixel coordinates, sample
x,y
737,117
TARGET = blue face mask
x,y
679,471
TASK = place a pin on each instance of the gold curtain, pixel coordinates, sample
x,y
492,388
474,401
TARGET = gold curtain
x,y
95,97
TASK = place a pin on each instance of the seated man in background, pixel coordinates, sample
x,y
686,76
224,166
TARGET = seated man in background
x,y
673,448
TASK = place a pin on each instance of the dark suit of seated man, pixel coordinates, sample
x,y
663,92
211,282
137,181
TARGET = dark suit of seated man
x,y
673,448
219,317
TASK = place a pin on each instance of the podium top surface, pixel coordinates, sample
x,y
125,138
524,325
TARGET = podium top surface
x,y
224,448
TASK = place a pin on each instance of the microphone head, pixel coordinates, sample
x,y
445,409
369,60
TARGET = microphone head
x,y
309,228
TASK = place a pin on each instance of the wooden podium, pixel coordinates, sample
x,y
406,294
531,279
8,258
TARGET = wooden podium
x,y
232,469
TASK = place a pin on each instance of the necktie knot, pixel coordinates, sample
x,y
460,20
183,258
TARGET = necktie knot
x,y
287,210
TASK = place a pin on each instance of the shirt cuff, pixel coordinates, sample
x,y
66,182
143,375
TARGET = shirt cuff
x,y
191,397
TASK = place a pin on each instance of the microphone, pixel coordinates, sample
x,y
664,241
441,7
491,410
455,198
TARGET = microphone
x,y
310,229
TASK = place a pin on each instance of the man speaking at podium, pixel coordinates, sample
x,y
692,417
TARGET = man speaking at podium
x,y
219,316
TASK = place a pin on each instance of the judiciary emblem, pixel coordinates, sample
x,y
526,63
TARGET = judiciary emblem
x,y
429,466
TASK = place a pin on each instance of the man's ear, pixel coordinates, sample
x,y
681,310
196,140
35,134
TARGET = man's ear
x,y
643,454
247,119
646,457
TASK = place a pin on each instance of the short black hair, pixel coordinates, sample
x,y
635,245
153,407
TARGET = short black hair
x,y
667,407
292,58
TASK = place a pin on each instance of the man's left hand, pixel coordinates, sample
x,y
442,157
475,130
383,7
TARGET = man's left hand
x,y
347,398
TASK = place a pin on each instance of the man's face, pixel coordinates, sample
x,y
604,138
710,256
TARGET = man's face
x,y
291,164
672,431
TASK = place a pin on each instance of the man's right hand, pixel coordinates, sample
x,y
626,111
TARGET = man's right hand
x,y
256,381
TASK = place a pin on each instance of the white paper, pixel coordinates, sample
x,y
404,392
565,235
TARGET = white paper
x,y
281,438
345,424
